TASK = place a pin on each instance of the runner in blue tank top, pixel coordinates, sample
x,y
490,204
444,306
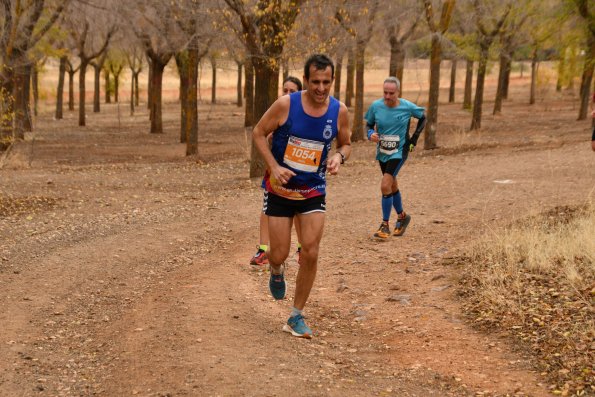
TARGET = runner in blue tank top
x,y
388,122
303,124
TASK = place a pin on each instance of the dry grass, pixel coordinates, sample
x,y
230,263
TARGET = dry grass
x,y
535,281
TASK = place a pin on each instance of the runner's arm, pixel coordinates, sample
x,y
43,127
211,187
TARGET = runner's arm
x,y
343,141
421,124
269,122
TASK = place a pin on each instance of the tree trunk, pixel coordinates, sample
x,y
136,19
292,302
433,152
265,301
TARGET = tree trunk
x,y
71,90
6,121
20,105
136,90
478,102
453,80
350,75
149,85
108,91
397,61
249,87
434,93
561,66
266,92
500,87
82,73
507,70
468,84
191,103
156,91
586,79
116,87
358,114
338,73
285,64
182,64
214,81
96,89
35,84
27,120
132,94
239,101
533,78
60,90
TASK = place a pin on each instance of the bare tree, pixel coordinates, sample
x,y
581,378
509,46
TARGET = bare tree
x,y
359,24
437,28
98,66
71,70
134,60
264,29
115,64
587,12
509,41
60,90
401,20
489,19
91,35
23,26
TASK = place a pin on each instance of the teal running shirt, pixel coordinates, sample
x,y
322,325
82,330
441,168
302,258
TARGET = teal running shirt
x,y
392,125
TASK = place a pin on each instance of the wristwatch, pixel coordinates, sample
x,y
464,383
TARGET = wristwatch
x,y
342,157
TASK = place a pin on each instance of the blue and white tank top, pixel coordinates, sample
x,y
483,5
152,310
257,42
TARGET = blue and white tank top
x,y
302,144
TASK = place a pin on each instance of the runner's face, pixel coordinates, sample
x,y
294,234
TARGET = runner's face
x,y
289,88
319,84
391,94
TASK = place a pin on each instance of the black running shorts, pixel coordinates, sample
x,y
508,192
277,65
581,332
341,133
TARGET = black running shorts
x,y
393,166
274,205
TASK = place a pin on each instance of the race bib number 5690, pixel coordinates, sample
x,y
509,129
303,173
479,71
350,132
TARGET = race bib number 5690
x,y
303,154
389,144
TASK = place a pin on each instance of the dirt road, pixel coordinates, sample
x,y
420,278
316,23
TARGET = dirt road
x,y
123,269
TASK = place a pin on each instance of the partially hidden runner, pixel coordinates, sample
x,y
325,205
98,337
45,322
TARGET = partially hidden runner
x,y
388,126
291,84
303,124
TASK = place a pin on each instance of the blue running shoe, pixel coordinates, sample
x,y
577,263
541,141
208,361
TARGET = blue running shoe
x,y
277,285
296,326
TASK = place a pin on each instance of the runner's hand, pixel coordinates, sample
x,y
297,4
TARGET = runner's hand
x,y
374,137
334,162
282,174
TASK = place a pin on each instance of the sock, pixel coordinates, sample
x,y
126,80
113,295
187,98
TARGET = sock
x,y
397,202
263,247
387,204
295,312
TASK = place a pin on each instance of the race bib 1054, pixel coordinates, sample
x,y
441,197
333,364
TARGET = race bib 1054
x,y
303,154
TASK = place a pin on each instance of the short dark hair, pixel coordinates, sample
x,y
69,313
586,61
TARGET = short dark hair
x,y
320,62
295,81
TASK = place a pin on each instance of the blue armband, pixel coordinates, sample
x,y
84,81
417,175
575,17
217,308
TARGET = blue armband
x,y
370,132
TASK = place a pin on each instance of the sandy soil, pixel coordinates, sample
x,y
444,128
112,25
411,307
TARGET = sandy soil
x,y
123,265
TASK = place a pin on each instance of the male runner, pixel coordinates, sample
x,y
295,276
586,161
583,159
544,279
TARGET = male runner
x,y
391,116
303,124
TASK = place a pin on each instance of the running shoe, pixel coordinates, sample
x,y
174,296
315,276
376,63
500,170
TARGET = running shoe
x,y
383,231
401,225
296,326
299,255
260,258
277,285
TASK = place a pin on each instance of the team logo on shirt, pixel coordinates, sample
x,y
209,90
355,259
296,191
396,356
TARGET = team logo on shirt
x,y
328,130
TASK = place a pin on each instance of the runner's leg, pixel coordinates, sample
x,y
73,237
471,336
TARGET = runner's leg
x,y
311,227
280,241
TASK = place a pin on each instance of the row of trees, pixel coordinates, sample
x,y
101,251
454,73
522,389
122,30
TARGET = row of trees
x,y
265,37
